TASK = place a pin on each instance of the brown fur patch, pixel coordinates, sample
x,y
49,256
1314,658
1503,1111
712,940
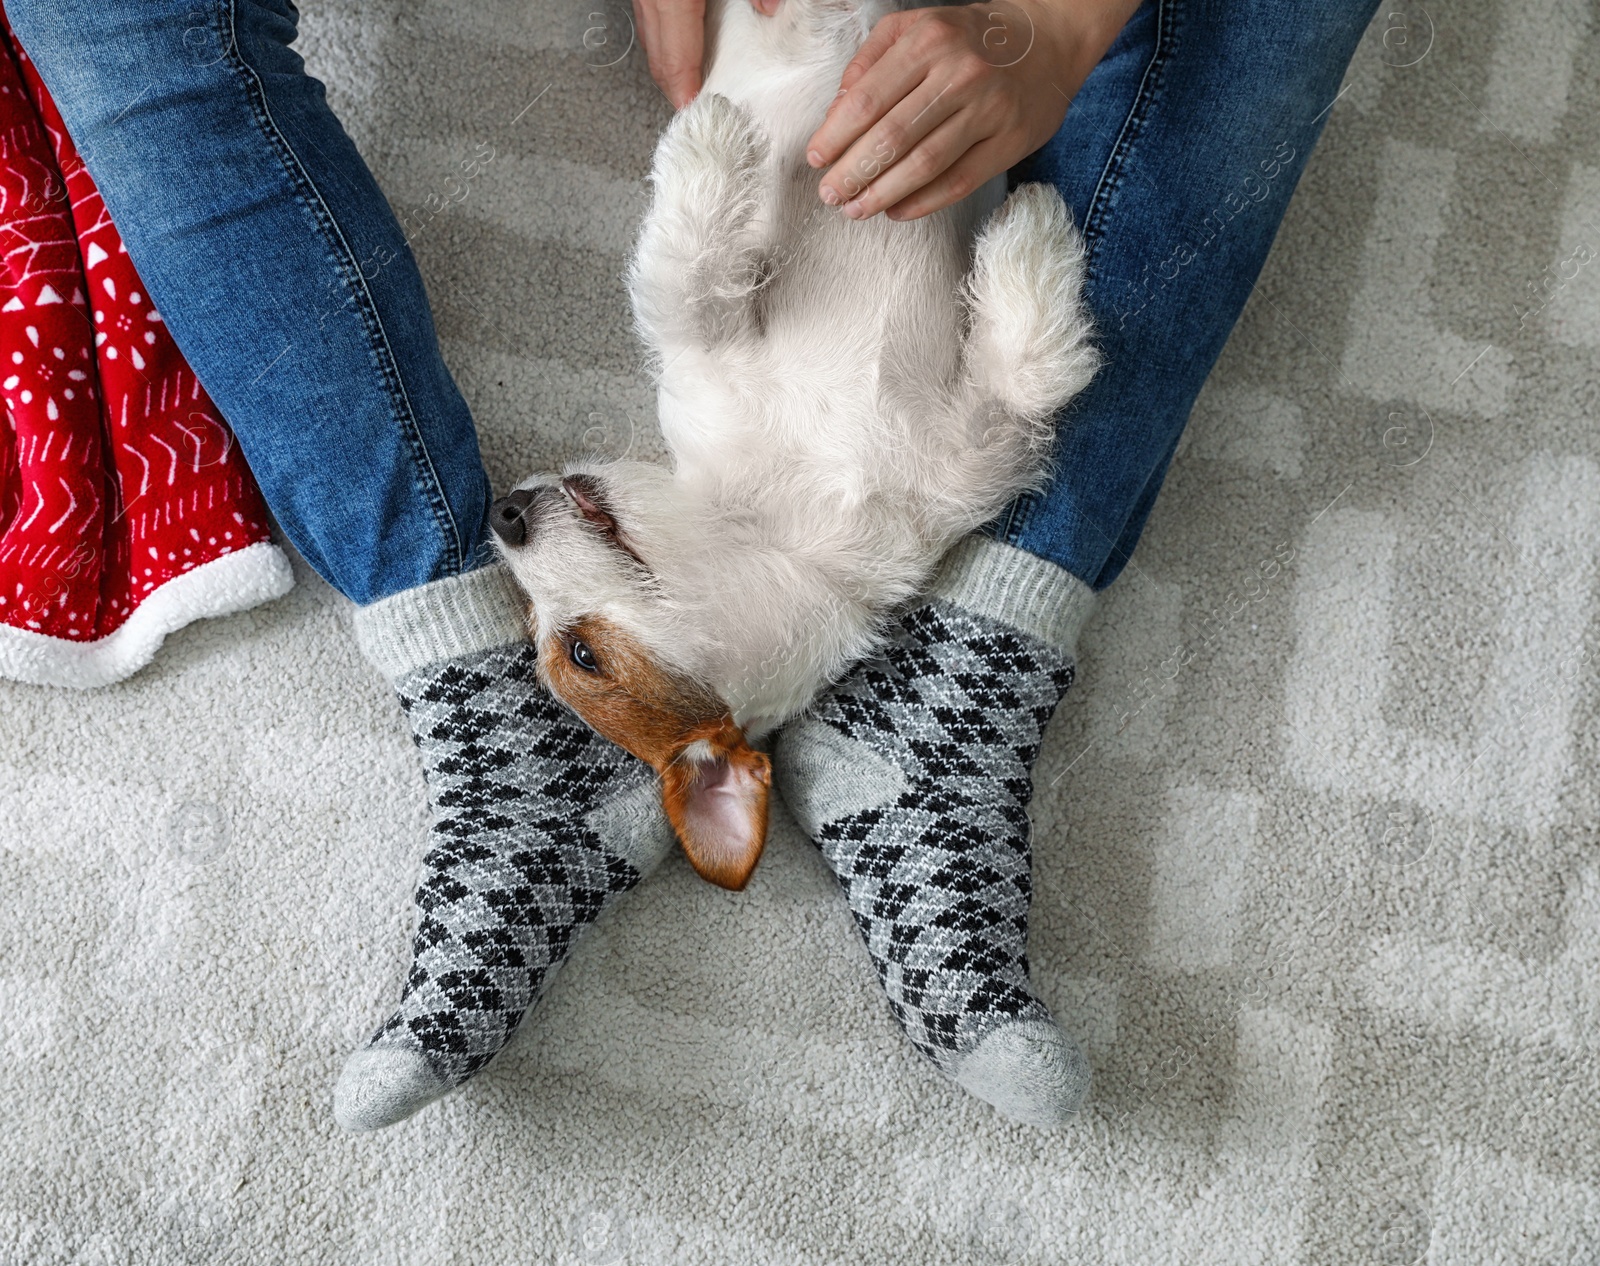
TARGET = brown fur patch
x,y
632,700
657,714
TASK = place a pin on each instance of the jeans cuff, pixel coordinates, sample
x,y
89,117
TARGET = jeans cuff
x,y
1017,588
460,615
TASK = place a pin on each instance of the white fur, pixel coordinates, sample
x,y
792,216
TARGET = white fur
x,y
842,400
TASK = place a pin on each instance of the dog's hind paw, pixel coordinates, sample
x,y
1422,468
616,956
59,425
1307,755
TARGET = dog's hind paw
x,y
1029,346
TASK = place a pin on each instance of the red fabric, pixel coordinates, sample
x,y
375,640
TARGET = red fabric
x,y
117,473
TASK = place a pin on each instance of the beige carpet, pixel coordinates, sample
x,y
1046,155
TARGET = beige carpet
x,y
1323,901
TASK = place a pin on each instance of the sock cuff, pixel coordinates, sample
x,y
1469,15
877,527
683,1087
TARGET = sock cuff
x,y
1021,589
460,615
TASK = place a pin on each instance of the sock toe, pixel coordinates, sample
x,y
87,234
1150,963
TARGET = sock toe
x,y
1030,1071
380,1086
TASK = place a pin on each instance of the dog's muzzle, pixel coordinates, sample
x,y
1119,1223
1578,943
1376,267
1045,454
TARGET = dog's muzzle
x,y
506,516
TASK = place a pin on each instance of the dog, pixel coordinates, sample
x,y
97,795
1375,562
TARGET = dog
x,y
842,401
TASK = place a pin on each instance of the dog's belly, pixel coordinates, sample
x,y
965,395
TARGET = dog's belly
x,y
785,69
863,321
839,420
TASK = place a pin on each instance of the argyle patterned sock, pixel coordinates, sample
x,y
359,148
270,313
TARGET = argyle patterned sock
x,y
913,777
539,825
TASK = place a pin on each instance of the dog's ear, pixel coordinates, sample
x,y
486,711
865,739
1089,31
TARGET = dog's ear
x,y
715,794
713,783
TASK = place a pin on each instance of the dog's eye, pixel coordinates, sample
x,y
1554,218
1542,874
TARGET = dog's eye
x,y
583,657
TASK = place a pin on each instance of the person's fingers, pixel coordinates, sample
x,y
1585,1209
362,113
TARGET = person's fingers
x,y
884,33
644,24
890,144
923,163
859,107
673,35
961,178
765,7
877,84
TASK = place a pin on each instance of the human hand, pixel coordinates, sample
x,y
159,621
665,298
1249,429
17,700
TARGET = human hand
x,y
938,101
673,33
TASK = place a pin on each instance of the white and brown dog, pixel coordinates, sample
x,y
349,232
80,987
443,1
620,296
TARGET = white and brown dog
x,y
842,400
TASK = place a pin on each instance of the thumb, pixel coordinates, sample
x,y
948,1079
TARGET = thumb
x,y
675,51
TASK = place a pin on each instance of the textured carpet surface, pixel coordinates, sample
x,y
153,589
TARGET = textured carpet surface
x,y
1317,873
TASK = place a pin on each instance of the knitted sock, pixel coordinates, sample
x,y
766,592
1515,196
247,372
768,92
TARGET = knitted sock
x,y
913,776
539,825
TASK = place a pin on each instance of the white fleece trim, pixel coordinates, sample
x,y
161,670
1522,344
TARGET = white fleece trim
x,y
233,582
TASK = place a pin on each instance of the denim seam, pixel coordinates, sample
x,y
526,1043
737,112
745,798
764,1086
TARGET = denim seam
x,y
1150,85
343,259
1093,227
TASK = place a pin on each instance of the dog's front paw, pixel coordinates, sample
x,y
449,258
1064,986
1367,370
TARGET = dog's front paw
x,y
710,140
695,267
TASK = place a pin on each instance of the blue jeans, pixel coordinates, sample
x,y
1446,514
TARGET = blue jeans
x,y
287,281
281,272
1177,158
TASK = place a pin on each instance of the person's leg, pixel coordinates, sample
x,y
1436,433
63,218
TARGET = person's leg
x,y
277,264
1177,160
914,774
281,272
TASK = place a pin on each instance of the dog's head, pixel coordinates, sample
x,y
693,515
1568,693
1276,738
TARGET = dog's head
x,y
610,555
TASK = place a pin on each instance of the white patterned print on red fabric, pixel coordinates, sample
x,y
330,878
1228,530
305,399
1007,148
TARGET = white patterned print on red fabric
x,y
117,473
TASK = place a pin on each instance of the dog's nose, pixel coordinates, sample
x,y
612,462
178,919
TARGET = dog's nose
x,y
505,516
